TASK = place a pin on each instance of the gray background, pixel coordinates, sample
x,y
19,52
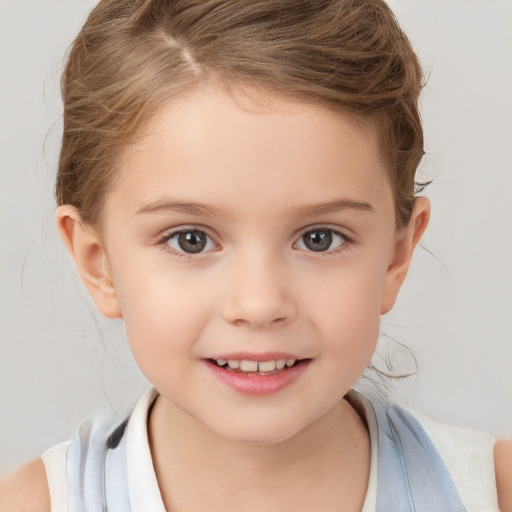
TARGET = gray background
x,y
59,361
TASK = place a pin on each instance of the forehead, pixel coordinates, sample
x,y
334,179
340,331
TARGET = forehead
x,y
252,149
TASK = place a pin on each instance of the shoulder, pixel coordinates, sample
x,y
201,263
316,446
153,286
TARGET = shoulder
x,y
503,467
468,457
26,489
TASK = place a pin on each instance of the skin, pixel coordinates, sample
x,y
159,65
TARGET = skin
x,y
255,289
26,490
269,171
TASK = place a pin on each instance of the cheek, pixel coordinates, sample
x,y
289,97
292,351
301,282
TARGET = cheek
x,y
161,330
348,309
353,322
163,313
350,331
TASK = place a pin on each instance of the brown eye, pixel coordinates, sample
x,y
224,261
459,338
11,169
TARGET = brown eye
x,y
190,242
193,241
320,240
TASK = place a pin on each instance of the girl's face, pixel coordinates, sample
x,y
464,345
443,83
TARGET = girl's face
x,y
254,234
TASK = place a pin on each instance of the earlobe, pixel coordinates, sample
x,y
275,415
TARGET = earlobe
x,y
403,248
87,250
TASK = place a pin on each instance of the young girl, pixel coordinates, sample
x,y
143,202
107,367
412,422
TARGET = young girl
x,y
237,182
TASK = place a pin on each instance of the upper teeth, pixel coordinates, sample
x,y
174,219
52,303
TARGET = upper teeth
x,y
256,366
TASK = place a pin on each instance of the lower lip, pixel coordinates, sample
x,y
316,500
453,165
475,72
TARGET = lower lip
x,y
256,384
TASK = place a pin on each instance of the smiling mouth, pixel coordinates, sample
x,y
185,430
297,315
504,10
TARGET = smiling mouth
x,y
246,366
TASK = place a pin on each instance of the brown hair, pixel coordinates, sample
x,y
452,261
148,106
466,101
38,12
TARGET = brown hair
x,y
133,55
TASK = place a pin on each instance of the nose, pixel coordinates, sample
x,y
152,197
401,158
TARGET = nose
x,y
259,294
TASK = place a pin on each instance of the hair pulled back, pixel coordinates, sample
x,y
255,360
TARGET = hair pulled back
x,y
132,56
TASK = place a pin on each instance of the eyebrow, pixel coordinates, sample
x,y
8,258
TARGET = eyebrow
x,y
194,208
334,206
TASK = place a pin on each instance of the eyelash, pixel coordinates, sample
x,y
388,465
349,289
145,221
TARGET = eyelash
x,y
345,245
164,241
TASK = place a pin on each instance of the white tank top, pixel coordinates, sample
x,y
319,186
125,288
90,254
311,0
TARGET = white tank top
x,y
76,470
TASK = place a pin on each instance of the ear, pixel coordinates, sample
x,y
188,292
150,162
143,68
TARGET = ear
x,y
85,246
405,242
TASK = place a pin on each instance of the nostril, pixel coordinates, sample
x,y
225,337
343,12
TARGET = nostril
x,y
257,310
240,322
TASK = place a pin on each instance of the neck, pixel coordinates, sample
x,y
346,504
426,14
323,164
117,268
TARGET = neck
x,y
327,462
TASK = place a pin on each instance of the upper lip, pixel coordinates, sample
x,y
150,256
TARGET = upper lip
x,y
259,357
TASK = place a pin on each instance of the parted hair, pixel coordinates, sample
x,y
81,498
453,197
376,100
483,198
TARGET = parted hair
x,y
132,56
